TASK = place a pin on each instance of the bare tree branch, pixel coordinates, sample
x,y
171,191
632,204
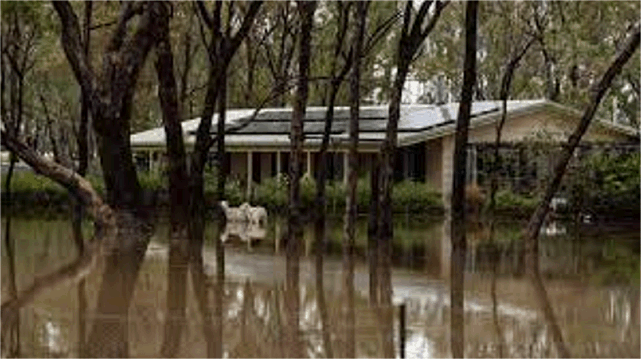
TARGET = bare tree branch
x,y
204,14
72,45
129,10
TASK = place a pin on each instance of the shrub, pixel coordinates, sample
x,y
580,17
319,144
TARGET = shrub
x,y
235,193
32,190
272,193
508,201
152,181
614,184
335,196
415,197
307,191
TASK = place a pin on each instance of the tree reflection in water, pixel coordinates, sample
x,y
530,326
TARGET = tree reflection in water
x,y
597,321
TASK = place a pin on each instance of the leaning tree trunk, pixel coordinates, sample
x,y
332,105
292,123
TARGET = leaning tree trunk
x,y
458,225
531,233
104,223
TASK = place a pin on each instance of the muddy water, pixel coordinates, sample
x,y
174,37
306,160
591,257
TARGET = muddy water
x,y
591,276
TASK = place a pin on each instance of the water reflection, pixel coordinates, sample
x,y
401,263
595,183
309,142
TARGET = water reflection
x,y
597,320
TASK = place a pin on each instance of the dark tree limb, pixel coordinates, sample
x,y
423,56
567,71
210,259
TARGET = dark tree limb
x,y
306,11
457,229
127,12
349,237
72,45
178,253
79,187
531,233
75,184
407,47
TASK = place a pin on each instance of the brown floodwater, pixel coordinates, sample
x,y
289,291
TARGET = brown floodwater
x,y
591,275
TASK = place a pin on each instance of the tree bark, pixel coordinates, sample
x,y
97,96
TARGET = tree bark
x,y
360,14
412,36
221,49
458,225
531,233
11,336
17,58
104,223
83,164
372,232
110,96
306,11
178,236
320,217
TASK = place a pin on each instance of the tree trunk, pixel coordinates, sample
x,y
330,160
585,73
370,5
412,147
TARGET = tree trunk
x,y
11,339
109,334
531,233
458,225
111,96
83,164
106,228
372,232
178,237
219,288
306,11
320,217
16,73
360,14
221,50
409,43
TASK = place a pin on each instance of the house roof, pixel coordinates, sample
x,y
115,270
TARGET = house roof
x,y
271,127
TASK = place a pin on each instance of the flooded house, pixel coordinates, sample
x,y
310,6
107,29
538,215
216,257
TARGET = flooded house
x,y
258,144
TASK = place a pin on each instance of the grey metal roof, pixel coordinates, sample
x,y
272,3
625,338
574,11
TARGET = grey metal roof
x,y
271,127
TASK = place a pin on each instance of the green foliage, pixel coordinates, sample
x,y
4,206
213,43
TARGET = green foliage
x,y
23,181
31,193
413,196
153,181
272,192
618,175
307,191
607,183
235,192
509,202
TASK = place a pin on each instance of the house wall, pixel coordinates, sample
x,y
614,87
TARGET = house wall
x,y
265,165
550,124
238,165
434,162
